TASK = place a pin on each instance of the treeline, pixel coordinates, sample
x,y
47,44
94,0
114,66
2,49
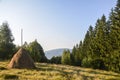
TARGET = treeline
x,y
8,48
100,48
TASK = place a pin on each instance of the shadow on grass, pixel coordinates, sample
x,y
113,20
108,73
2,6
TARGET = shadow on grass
x,y
69,75
106,74
9,76
3,68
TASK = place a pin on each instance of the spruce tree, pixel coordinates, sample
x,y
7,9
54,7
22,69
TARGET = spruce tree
x,y
86,49
74,51
77,55
114,19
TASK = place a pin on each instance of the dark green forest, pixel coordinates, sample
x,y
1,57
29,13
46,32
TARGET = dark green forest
x,y
100,48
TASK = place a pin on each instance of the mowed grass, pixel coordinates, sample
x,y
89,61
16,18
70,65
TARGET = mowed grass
x,y
46,71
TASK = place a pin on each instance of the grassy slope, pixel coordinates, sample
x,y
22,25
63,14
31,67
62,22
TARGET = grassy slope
x,y
56,72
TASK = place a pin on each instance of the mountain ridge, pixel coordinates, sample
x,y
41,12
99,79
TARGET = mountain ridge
x,y
55,52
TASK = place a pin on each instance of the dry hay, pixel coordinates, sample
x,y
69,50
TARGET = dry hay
x,y
21,59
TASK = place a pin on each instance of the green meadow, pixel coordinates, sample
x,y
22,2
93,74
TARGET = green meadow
x,y
46,71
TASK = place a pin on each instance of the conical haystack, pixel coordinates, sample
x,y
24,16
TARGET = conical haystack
x,y
21,59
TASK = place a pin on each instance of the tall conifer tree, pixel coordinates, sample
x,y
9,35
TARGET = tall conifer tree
x,y
115,38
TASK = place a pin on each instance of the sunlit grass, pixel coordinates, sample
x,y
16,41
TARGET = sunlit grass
x,y
55,72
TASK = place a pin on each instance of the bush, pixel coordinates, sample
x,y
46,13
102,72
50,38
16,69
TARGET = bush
x,y
86,62
56,60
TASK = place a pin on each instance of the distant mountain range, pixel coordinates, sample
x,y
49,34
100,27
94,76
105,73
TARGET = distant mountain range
x,y
55,52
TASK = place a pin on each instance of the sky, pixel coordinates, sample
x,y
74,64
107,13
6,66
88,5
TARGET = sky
x,y
54,23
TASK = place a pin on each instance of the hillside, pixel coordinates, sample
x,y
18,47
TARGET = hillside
x,y
55,72
55,52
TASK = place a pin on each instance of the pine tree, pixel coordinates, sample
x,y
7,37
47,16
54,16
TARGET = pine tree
x,y
87,49
73,55
76,60
101,44
114,19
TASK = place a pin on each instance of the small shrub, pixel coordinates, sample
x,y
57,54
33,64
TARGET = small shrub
x,y
86,62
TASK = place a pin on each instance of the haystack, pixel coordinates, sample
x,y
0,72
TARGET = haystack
x,y
21,59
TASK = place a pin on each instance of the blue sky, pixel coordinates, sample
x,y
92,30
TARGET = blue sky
x,y
54,23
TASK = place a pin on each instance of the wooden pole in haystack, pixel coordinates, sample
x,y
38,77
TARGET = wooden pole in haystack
x,y
21,37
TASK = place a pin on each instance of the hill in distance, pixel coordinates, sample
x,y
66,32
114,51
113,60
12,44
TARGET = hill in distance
x,y
55,52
